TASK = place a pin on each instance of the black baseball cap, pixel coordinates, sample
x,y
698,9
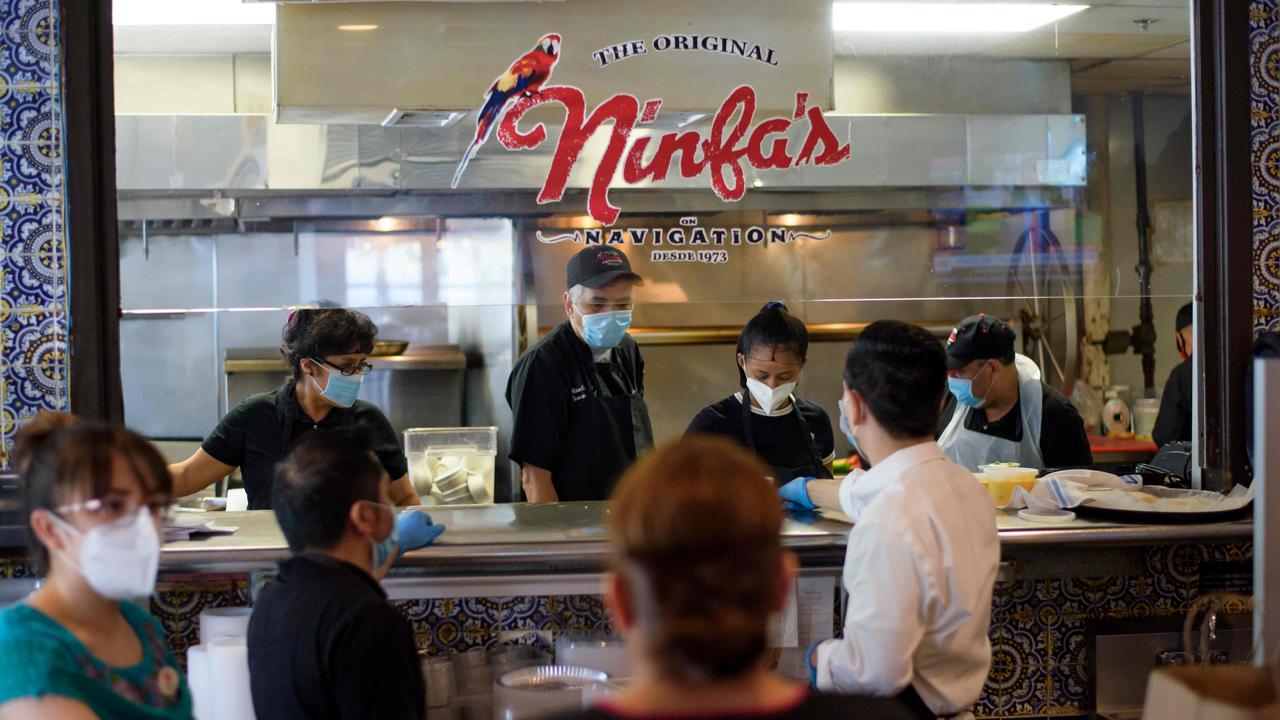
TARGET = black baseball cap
x,y
979,337
1184,317
598,266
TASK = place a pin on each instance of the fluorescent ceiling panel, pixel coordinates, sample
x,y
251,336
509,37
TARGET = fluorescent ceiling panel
x,y
191,12
917,17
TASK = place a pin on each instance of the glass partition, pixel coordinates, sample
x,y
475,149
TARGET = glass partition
x,y
853,160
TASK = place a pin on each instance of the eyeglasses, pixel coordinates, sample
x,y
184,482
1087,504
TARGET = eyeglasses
x,y
113,508
363,368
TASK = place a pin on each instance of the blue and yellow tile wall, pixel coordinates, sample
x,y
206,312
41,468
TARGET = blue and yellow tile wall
x,y
1264,30
33,246
1039,627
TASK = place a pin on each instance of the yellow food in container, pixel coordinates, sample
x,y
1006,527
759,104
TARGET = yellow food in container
x,y
1001,480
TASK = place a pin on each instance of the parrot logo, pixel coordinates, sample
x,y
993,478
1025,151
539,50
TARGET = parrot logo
x,y
525,76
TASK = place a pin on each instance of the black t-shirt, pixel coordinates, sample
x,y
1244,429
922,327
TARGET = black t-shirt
x,y
777,437
324,644
546,386
1063,441
252,437
1174,421
810,706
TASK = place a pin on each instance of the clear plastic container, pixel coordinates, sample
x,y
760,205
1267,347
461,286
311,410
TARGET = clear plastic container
x,y
539,691
595,650
1145,412
1002,480
452,466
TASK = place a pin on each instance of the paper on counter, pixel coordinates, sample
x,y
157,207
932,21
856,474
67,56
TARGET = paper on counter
x,y
185,526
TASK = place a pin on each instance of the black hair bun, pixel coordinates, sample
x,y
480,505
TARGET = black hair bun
x,y
774,305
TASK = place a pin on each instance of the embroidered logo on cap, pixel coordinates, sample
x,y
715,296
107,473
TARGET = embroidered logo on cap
x,y
609,257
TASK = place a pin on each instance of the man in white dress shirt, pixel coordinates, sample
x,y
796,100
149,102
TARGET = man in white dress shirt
x,y
923,553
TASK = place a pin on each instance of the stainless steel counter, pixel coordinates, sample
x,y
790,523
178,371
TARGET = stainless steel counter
x,y
570,537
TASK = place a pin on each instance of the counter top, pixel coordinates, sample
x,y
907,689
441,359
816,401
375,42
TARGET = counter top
x,y
563,537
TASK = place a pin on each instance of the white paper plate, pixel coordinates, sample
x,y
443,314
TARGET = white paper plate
x,y
1048,517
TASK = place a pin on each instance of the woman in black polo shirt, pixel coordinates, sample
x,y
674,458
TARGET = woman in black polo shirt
x,y
327,351
792,435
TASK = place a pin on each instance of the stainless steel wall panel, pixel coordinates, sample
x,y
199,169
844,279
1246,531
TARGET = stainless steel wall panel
x,y
220,152
145,151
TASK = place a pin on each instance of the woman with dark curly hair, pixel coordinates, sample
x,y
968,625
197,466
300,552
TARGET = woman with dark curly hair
x,y
327,351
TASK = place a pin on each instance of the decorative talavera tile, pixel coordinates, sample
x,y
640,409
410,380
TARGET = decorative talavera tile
x,y
450,625
34,338
35,281
178,604
35,164
1264,29
1012,684
30,36
35,232
32,116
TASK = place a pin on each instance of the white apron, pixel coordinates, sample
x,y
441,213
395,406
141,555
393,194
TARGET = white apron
x,y
970,449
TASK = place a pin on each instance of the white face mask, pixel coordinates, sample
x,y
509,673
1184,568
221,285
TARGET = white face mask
x,y
118,559
769,398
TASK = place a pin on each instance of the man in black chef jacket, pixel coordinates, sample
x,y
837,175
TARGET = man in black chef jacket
x,y
1174,421
577,395
999,410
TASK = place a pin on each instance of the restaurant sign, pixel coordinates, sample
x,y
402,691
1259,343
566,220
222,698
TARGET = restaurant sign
x,y
735,139
686,243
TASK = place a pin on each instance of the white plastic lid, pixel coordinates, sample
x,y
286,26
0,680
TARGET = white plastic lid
x,y
1048,517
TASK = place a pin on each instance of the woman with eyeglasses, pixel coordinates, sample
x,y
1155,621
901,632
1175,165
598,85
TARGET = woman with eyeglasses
x,y
327,351
79,647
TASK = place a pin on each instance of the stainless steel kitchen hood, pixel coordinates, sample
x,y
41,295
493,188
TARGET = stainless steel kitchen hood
x,y
372,62
250,152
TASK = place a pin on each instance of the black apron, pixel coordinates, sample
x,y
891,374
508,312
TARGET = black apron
x,y
606,431
815,468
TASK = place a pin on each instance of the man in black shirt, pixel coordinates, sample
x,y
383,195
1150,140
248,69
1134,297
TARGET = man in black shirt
x,y
577,395
1174,421
323,641
999,409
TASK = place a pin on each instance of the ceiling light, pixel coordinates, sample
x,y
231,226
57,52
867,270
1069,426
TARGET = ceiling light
x,y
918,17
357,28
188,12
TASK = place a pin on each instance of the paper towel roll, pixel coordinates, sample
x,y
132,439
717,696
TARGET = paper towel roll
x,y
198,682
224,622
229,661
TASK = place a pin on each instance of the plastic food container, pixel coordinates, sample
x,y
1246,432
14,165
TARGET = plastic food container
x,y
534,692
1144,416
1002,480
454,466
595,650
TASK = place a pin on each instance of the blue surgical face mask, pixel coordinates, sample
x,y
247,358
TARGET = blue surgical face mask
x,y
844,428
605,330
340,390
962,388
382,549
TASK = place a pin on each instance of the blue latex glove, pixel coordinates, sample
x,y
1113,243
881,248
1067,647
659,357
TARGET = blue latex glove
x,y
808,661
797,492
416,530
